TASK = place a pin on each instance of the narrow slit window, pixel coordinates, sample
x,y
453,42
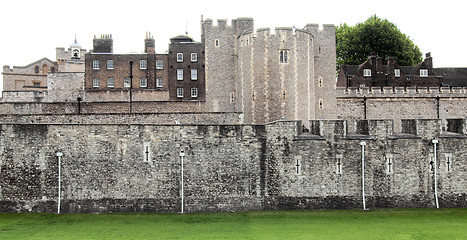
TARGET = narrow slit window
x,y
146,151
448,162
389,164
298,166
339,164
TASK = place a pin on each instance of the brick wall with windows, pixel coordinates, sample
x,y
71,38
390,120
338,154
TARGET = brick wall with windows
x,y
186,69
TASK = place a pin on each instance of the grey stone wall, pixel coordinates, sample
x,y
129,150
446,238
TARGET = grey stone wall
x,y
136,168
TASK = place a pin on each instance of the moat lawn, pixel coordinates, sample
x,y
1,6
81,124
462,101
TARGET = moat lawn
x,y
313,224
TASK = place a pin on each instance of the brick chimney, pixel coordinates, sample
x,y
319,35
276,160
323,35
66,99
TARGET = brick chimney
x,y
149,44
428,60
379,64
104,44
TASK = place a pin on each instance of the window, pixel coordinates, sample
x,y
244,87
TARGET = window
x,y
110,82
36,69
320,103
143,64
52,70
216,42
95,82
194,57
110,64
232,97
448,161
180,92
159,82
179,57
298,165
143,82
159,64
95,64
423,72
194,92
36,84
179,74
126,82
367,72
397,72
339,164
389,164
146,151
320,82
283,58
194,74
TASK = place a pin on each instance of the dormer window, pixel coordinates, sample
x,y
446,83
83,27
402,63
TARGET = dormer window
x,y
423,72
397,72
367,72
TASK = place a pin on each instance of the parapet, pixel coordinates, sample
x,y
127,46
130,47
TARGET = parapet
x,y
334,130
385,92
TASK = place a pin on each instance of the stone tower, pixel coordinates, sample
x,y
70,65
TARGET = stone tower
x,y
286,75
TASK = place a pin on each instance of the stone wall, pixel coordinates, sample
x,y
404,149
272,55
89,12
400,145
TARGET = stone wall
x,y
401,103
136,168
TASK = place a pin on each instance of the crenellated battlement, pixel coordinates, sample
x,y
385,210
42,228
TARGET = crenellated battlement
x,y
401,92
333,130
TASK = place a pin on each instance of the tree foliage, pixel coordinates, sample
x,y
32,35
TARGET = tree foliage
x,y
355,43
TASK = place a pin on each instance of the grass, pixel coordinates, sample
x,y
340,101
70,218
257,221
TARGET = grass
x,y
317,224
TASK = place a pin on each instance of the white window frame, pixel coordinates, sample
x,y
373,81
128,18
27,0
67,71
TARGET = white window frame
x,y
367,72
95,82
143,64
194,57
179,57
143,82
95,64
397,72
180,74
159,82
126,82
179,92
110,82
110,64
194,92
159,64
423,72
194,74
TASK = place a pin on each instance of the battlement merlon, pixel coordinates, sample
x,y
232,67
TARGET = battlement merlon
x,y
400,92
333,130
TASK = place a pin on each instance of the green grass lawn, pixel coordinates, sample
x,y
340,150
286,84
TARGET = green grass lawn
x,y
317,224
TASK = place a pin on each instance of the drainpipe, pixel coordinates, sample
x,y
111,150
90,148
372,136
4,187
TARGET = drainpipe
x,y
59,155
435,141
363,143
182,155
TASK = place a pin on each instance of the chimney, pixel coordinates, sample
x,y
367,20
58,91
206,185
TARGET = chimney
x,y
149,44
428,60
104,44
379,64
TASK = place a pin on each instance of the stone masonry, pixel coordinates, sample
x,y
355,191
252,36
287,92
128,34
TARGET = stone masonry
x,y
136,168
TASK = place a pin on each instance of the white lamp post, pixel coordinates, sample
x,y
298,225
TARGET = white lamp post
x,y
363,143
59,155
182,155
435,141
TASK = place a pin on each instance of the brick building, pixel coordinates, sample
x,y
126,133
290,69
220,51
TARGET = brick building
x,y
186,69
373,73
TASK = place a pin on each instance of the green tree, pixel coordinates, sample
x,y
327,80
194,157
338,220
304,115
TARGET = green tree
x,y
355,43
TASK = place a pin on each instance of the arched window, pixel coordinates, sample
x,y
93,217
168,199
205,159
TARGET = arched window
x,y
52,70
44,69
36,69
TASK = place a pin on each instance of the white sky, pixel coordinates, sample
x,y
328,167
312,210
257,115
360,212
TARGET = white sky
x,y
33,29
